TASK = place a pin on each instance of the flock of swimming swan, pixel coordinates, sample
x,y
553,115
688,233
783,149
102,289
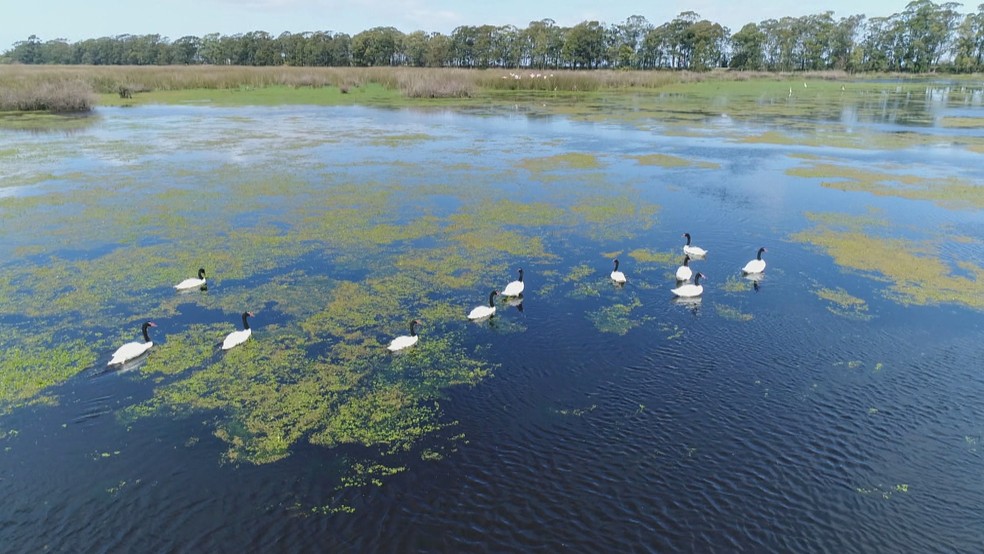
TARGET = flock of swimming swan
x,y
684,289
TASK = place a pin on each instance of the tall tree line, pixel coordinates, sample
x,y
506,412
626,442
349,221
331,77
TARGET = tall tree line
x,y
926,36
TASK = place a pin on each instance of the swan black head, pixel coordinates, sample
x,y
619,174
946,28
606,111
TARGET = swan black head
x,y
147,325
201,273
616,264
698,277
246,323
413,324
759,257
491,298
520,275
688,238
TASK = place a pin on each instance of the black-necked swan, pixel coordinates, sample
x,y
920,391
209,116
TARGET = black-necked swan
x,y
192,282
236,338
131,350
693,251
757,265
617,275
515,288
684,273
405,341
690,290
482,312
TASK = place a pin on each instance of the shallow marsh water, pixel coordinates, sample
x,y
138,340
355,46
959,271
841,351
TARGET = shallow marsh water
x,y
833,405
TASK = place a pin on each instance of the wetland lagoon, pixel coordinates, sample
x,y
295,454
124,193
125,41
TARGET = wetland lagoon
x,y
836,403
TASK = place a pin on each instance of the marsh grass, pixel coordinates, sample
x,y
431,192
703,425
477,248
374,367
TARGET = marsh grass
x,y
58,95
69,88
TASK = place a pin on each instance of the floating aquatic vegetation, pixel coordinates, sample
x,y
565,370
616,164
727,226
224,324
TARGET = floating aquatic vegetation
x,y
915,274
885,492
577,412
674,331
579,273
616,318
843,304
732,313
735,284
572,160
365,473
31,367
185,350
399,139
962,122
848,221
666,258
666,160
949,192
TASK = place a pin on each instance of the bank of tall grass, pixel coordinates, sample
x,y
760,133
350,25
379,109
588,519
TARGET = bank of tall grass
x,y
71,88
56,95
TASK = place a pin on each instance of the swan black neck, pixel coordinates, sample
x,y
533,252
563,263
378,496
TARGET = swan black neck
x,y
616,264
246,323
686,261
759,257
146,326
201,273
492,298
697,278
413,331
688,238
520,275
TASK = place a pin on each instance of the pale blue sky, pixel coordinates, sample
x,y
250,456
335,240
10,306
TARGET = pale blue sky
x,y
80,19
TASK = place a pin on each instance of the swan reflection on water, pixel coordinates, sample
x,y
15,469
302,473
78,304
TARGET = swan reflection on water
x,y
516,302
691,303
756,279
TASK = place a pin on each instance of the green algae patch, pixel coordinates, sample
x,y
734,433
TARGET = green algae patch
x,y
669,161
948,192
843,304
845,221
270,393
734,284
962,122
666,258
617,318
570,161
731,313
916,274
27,370
400,139
44,121
186,350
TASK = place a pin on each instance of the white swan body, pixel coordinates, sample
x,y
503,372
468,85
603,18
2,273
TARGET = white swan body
x,y
132,350
693,251
404,341
617,275
684,273
690,290
757,265
236,338
515,288
482,312
192,283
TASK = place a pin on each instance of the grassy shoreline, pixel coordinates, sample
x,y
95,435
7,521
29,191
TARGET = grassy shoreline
x,y
66,89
